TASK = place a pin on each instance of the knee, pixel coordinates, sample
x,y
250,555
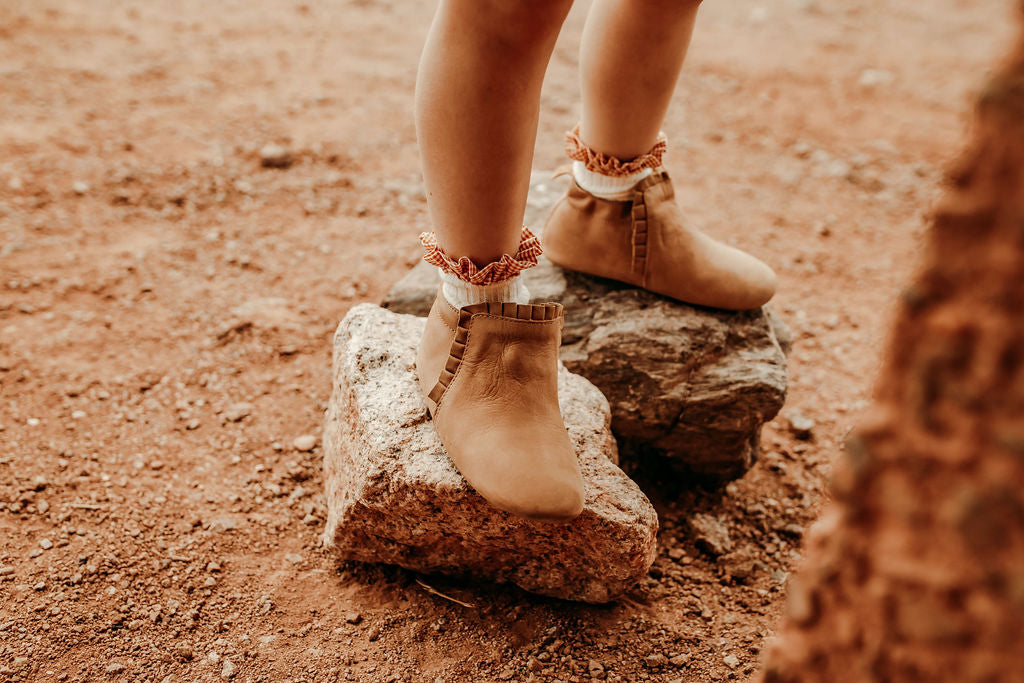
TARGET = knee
x,y
521,24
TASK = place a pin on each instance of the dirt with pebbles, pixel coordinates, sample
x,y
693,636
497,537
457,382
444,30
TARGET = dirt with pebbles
x,y
169,282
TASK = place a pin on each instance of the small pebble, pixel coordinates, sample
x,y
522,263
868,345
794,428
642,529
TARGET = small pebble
x,y
305,443
237,411
80,187
115,668
732,661
679,660
293,558
801,426
655,660
353,617
275,156
46,544
228,670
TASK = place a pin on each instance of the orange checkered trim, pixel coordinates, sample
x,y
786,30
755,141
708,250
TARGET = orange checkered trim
x,y
503,269
598,162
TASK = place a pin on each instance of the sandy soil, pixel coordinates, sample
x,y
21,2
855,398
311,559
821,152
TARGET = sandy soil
x,y
166,305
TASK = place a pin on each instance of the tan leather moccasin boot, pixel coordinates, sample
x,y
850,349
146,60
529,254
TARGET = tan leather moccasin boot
x,y
489,373
645,242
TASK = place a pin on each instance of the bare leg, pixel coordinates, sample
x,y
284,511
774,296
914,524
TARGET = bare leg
x,y
477,105
617,222
630,58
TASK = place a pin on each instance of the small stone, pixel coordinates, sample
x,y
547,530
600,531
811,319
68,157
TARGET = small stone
x,y
731,661
192,424
224,524
870,78
373,634
41,586
739,566
710,534
77,414
801,426
237,411
42,506
213,567
275,156
294,558
304,443
655,661
595,667
184,652
228,670
115,668
210,582
80,187
353,617
679,660
46,544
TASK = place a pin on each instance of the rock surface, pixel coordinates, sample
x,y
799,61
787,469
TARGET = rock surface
x,y
695,384
395,497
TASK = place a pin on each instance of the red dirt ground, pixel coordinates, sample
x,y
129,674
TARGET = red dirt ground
x,y
153,276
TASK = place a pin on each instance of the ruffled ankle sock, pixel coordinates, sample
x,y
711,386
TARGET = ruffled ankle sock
x,y
609,177
460,293
463,283
610,187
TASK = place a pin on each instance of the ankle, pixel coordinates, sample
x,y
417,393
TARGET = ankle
x,y
606,176
460,293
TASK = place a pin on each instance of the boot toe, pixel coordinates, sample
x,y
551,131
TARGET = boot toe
x,y
762,282
555,500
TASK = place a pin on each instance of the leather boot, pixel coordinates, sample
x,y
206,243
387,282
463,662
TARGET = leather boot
x,y
489,374
645,242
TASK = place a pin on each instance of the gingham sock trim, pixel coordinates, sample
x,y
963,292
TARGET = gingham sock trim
x,y
599,162
497,271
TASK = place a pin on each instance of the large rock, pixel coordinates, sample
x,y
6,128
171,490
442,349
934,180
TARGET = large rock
x,y
695,384
394,496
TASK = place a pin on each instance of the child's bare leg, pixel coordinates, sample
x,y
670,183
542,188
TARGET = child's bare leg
x,y
630,57
477,105
488,360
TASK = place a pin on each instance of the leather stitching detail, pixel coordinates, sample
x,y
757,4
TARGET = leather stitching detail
x,y
639,236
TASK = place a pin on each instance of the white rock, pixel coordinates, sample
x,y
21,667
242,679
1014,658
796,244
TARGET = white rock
x,y
395,497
